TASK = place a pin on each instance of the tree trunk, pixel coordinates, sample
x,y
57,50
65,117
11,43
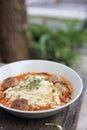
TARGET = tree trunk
x,y
13,40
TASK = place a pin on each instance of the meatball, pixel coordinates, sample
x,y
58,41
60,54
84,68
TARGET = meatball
x,y
21,104
9,82
54,78
61,87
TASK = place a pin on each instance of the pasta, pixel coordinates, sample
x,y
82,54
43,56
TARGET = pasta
x,y
35,91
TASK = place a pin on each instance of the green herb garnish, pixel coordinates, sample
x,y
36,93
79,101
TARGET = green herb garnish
x,y
58,127
35,82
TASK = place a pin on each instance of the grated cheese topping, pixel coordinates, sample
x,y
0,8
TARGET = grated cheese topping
x,y
36,89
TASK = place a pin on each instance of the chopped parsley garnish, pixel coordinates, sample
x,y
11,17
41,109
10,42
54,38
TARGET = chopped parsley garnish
x,y
35,82
32,82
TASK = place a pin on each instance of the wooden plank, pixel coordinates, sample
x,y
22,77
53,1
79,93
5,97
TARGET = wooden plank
x,y
68,118
10,122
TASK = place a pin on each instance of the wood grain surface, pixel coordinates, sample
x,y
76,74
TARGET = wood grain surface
x,y
68,118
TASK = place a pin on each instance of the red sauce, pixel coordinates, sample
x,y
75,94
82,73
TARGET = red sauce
x,y
64,97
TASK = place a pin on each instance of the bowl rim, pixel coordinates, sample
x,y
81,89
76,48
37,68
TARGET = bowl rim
x,y
52,109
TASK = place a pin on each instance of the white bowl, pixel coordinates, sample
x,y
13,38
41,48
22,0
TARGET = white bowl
x,y
16,68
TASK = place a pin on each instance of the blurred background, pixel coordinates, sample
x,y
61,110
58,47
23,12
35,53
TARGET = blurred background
x,y
46,29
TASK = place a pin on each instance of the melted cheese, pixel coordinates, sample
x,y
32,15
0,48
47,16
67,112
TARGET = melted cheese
x,y
45,94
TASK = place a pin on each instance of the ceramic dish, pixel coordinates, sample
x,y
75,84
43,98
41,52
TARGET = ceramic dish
x,y
16,68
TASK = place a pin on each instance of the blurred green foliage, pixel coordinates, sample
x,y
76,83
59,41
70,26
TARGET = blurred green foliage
x,y
60,45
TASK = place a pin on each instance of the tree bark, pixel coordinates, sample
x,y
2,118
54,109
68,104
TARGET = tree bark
x,y
13,40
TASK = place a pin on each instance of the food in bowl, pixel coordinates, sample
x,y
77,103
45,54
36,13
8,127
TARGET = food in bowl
x,y
35,91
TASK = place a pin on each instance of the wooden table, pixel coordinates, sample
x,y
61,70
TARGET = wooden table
x,y
68,118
